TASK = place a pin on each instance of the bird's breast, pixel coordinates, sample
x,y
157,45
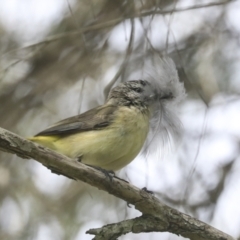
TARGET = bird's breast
x,y
114,146
122,141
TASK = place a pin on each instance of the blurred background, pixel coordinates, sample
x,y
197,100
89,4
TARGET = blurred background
x,y
59,58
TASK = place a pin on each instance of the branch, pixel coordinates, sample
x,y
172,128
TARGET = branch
x,y
145,223
111,23
125,61
194,7
166,219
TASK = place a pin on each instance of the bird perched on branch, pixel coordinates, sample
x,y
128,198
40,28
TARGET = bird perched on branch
x,y
136,112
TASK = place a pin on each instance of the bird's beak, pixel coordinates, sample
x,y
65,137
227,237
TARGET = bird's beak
x,y
168,95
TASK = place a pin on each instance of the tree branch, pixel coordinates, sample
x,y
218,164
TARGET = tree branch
x,y
194,7
165,219
96,26
145,223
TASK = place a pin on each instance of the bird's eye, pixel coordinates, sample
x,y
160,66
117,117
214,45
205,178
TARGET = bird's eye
x,y
143,82
139,90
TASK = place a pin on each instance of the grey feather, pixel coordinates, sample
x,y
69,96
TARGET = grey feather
x,y
165,126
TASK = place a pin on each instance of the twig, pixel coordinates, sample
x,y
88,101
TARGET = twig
x,y
137,225
197,6
75,21
125,61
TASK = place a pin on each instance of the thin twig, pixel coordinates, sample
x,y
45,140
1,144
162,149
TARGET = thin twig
x,y
76,22
125,61
197,6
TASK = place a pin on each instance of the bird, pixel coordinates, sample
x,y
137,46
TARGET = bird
x,y
110,136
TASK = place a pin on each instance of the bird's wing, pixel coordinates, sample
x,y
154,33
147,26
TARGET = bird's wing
x,y
94,119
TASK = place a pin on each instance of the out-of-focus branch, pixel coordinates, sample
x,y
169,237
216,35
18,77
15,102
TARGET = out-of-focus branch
x,y
98,26
125,61
165,218
197,6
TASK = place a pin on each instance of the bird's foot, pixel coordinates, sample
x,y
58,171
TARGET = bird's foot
x,y
109,174
148,191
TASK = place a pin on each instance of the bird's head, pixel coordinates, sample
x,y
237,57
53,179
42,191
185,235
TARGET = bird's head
x,y
137,93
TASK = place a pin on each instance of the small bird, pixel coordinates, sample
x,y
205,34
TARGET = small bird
x,y
109,136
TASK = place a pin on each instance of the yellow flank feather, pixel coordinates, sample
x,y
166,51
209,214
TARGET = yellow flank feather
x,y
47,141
112,147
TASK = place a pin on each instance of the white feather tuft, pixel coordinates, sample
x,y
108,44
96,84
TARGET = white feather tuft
x,y
165,126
